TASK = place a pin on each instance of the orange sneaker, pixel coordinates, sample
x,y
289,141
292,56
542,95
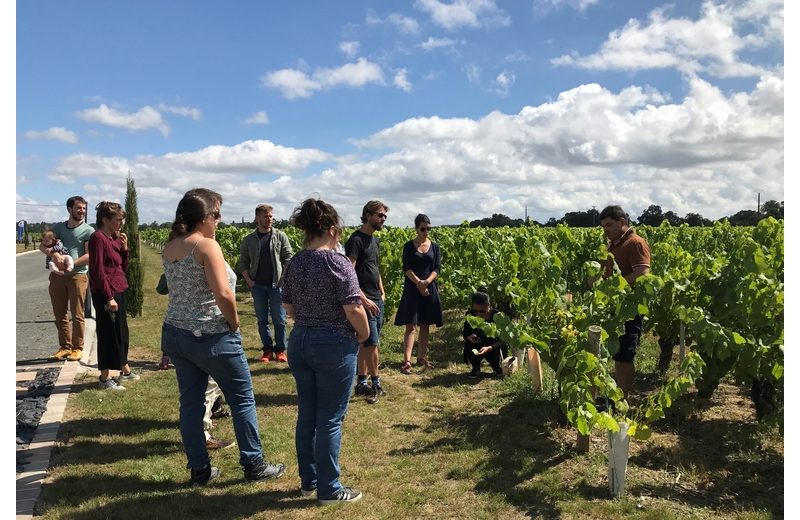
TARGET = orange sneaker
x,y
266,357
281,357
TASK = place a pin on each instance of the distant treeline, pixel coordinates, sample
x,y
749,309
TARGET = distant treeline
x,y
652,216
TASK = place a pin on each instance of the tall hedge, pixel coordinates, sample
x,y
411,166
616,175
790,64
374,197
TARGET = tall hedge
x,y
134,296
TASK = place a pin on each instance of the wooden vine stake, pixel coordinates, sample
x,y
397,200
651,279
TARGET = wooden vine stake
x,y
583,442
682,343
535,369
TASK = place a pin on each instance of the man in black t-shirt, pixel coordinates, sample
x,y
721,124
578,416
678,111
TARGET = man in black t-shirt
x,y
363,250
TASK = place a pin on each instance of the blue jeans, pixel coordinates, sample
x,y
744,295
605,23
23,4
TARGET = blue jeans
x,y
375,325
323,364
267,303
220,356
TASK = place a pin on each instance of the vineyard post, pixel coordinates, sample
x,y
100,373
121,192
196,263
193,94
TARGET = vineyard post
x,y
682,343
535,369
583,442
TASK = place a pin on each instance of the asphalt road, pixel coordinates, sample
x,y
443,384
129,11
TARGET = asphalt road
x,y
37,338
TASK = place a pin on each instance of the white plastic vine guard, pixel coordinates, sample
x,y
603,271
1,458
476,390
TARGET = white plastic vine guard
x,y
618,447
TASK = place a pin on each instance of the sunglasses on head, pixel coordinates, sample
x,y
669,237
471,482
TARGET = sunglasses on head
x,y
428,228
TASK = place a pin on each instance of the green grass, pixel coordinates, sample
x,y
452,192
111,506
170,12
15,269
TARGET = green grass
x,y
439,445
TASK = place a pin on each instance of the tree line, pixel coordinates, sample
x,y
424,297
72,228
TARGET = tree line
x,y
652,216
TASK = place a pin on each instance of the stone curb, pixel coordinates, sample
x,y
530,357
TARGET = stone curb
x,y
29,483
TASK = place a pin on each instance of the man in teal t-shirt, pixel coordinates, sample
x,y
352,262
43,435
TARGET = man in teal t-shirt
x,y
68,290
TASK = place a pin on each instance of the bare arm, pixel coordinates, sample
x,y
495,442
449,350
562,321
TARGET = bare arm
x,y
636,273
358,319
210,256
289,309
369,305
84,258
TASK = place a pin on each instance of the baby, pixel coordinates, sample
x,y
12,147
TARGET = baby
x,y
49,239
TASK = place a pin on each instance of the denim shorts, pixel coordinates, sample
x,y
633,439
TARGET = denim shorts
x,y
375,325
629,342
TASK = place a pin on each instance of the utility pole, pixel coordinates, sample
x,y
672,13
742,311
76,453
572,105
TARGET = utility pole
x,y
594,212
758,206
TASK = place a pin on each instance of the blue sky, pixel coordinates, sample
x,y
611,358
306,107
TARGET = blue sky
x,y
457,109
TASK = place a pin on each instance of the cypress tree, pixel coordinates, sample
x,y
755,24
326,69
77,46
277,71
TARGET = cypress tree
x,y
134,295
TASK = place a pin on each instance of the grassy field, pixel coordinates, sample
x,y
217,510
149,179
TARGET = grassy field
x,y
439,445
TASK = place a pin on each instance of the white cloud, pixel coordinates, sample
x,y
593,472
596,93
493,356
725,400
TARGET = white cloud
x,y
711,44
708,153
295,83
516,56
401,81
404,24
55,133
464,13
436,43
473,72
542,7
349,48
146,118
291,82
258,118
504,81
190,112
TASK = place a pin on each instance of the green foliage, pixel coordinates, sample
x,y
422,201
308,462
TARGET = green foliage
x,y
724,283
134,295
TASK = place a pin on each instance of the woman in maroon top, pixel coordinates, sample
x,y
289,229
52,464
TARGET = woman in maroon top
x,y
108,261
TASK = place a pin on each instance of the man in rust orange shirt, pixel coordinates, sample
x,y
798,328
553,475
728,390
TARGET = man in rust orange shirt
x,y
632,256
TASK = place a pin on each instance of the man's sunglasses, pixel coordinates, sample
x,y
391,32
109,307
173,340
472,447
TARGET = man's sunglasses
x,y
381,215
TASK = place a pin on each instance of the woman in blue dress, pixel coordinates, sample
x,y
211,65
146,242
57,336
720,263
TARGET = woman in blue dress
x,y
420,304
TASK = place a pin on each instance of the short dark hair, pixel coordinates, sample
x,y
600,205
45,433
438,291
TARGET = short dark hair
x,y
372,207
75,198
480,298
614,212
421,218
263,208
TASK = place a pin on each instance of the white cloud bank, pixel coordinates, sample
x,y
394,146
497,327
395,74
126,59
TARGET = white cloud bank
x,y
712,44
258,118
293,83
144,119
710,154
464,14
55,133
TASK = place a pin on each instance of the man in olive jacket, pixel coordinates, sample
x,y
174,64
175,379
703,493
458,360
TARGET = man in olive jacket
x,y
262,257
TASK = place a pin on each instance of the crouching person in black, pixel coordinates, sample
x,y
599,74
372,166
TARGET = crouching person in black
x,y
477,345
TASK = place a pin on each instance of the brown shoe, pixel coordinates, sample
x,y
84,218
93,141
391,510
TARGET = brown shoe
x,y
75,355
62,353
218,444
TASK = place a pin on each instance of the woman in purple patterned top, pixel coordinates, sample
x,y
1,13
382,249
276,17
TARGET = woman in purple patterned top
x,y
320,292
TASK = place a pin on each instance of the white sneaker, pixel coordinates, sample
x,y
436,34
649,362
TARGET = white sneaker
x,y
132,376
111,384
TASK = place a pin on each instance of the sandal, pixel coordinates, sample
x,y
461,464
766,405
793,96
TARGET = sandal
x,y
165,364
422,362
405,368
